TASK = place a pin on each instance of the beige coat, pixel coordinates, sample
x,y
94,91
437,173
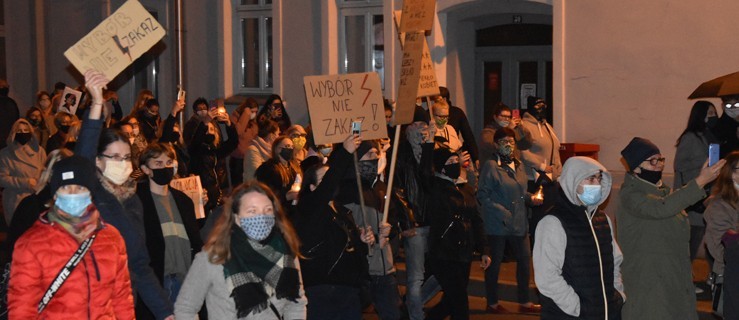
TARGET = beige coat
x,y
20,168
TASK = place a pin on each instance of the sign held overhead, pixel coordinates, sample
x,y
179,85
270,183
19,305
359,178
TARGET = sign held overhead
x,y
334,101
418,15
116,42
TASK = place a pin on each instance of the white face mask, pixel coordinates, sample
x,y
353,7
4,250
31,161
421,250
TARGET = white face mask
x,y
736,185
503,124
117,171
202,113
733,112
253,116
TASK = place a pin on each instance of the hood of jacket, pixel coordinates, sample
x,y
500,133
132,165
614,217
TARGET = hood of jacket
x,y
575,170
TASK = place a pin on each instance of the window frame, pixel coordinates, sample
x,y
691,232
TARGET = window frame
x,y
368,9
261,11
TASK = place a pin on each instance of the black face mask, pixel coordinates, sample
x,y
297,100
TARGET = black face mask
x,y
286,154
451,170
162,176
210,138
649,175
34,122
22,137
4,91
70,145
540,113
368,170
712,122
64,129
175,136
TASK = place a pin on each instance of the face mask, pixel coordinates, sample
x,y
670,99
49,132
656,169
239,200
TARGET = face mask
x,y
711,122
202,113
73,204
368,170
152,114
135,131
4,91
257,227
45,104
175,136
209,138
299,142
64,129
325,151
34,122
590,194
286,154
253,116
736,185
505,150
451,170
440,122
162,176
503,124
117,171
734,112
70,145
22,137
649,175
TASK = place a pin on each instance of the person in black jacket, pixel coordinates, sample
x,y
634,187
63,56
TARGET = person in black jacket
x,y
458,120
172,234
333,248
456,233
172,136
274,109
126,215
10,112
280,172
207,149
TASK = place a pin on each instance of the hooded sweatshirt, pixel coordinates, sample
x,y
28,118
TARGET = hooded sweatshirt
x,y
551,238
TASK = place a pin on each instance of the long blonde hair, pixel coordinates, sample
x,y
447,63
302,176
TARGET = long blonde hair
x,y
218,245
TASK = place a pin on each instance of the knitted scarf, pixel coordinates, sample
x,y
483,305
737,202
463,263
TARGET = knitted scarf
x,y
79,227
259,270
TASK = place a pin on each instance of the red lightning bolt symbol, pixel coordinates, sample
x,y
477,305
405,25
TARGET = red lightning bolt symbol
x,y
369,91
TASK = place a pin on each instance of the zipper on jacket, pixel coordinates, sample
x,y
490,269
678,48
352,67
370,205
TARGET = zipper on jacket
x,y
600,263
95,265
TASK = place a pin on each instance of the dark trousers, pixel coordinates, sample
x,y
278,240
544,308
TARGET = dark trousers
x,y
453,276
385,296
521,252
731,281
538,212
333,302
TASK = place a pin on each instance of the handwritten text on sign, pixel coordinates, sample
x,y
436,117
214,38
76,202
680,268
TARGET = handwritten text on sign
x,y
116,42
427,85
418,15
410,76
192,188
334,101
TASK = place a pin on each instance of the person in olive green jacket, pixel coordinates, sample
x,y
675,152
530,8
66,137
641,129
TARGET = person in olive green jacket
x,y
654,234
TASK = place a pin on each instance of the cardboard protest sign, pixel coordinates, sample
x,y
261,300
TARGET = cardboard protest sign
x,y
410,78
427,86
192,188
418,15
70,101
334,101
116,42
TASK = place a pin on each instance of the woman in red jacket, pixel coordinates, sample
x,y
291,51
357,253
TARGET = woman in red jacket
x,y
43,285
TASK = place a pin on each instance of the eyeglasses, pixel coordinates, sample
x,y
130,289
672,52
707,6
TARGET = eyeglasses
x,y
732,105
655,161
116,157
507,141
509,117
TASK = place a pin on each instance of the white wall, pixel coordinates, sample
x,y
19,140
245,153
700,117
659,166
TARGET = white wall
x,y
630,65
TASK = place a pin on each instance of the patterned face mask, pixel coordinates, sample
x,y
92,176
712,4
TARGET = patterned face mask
x,y
258,227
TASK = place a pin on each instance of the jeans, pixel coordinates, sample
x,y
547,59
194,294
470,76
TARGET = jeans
x,y
520,248
333,302
172,285
453,277
415,256
385,296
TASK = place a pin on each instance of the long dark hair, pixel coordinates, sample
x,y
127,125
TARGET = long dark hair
x,y
107,137
697,119
724,185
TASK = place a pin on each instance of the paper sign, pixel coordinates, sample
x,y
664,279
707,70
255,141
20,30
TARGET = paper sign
x,y
410,77
527,90
192,188
70,101
116,42
427,86
418,15
334,101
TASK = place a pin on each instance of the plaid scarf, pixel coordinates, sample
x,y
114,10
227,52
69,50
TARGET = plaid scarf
x,y
259,270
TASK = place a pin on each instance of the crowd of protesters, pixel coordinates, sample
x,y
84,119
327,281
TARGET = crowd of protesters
x,y
295,230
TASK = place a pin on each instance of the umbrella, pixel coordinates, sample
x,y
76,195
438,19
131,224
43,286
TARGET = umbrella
x,y
722,86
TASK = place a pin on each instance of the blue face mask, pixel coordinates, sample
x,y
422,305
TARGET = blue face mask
x,y
590,194
258,227
73,204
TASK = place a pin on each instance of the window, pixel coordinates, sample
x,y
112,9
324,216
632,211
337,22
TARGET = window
x,y
254,63
361,36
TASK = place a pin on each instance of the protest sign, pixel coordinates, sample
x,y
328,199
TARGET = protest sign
x,y
334,101
192,188
410,77
70,101
427,86
116,42
418,15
